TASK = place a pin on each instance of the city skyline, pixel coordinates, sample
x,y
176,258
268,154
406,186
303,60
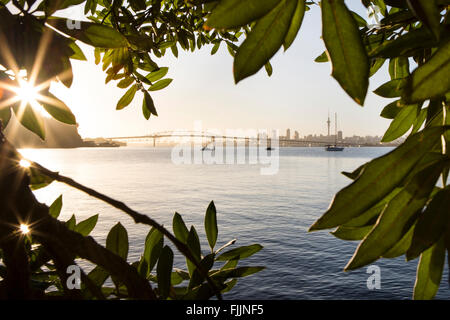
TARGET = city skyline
x,y
206,137
290,134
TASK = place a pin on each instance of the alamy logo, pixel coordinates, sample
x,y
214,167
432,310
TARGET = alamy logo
x,y
374,281
73,24
74,278
74,16
229,147
374,13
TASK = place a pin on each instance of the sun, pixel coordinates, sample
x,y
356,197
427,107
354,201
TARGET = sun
x,y
26,92
25,229
25,163
23,88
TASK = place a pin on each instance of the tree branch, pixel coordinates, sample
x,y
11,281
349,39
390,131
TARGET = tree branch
x,y
19,205
136,216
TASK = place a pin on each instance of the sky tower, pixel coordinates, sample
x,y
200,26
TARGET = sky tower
x,y
329,123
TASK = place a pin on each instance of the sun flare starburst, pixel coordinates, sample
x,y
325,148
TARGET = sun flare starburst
x,y
22,88
24,229
27,92
25,163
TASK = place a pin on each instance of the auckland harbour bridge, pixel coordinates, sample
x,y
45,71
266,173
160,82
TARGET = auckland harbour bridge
x,y
208,138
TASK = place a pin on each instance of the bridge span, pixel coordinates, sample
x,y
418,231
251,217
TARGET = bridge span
x,y
212,137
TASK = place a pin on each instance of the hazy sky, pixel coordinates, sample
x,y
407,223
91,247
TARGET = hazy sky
x,y
298,95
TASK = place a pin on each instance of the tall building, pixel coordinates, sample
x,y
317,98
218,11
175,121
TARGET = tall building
x,y
340,136
288,134
296,135
329,123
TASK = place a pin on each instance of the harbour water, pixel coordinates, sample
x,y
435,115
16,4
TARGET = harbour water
x,y
273,210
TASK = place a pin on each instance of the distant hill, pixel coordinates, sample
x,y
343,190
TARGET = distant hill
x,y
58,135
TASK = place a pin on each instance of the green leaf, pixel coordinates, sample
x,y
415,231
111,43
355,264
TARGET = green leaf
x,y
178,276
202,292
379,178
235,273
322,58
345,47
70,224
420,119
240,253
160,85
5,114
125,83
142,269
78,53
431,224
97,55
179,228
66,76
429,272
401,124
86,226
117,241
375,65
55,208
231,264
296,23
392,110
230,285
362,23
397,16
154,243
351,233
237,13
148,106
58,109
142,78
395,220
355,174
138,5
193,244
370,216
174,50
215,48
127,98
211,225
269,69
407,45
430,80
38,180
164,272
391,89
399,68
264,40
98,276
427,12
157,75
401,246
31,120
97,35
206,264
50,6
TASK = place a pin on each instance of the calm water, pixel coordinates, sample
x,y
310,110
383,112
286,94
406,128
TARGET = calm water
x,y
275,211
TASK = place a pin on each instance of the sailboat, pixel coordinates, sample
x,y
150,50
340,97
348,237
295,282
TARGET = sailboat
x,y
334,148
331,147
